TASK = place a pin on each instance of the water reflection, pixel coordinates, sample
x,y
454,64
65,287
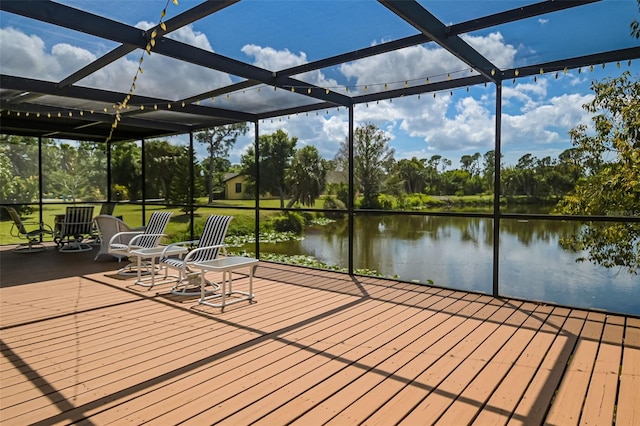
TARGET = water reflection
x,y
457,252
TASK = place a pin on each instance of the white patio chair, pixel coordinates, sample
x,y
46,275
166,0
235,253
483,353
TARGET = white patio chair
x,y
108,226
208,247
148,238
76,226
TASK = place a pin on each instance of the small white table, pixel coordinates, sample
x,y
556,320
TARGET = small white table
x,y
226,265
152,254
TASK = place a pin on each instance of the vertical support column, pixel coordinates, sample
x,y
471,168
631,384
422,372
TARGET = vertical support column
x,y
40,186
351,190
108,155
496,191
192,186
144,185
256,145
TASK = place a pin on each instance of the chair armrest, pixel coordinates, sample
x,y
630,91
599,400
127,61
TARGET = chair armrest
x,y
46,228
43,227
178,244
196,250
122,234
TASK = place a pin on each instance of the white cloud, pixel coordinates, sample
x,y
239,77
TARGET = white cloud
x,y
184,34
494,48
26,56
410,63
276,60
472,127
272,59
415,63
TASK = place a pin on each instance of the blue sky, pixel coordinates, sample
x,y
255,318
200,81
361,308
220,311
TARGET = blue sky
x,y
537,113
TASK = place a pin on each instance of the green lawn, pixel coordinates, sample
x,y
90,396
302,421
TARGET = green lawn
x,y
131,214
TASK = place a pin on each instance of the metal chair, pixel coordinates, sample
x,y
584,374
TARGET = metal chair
x,y
148,238
33,236
74,228
208,247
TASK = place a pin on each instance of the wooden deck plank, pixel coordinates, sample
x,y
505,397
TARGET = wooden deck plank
x,y
388,354
272,390
112,373
569,399
628,412
599,405
79,345
436,402
535,403
473,399
504,399
437,362
244,364
323,301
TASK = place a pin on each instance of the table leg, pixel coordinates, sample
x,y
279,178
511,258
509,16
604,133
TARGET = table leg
x,y
139,269
224,288
153,271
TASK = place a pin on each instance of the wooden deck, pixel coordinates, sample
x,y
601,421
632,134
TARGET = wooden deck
x,y
81,345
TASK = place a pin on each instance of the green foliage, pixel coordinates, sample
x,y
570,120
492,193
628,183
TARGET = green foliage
x,y
331,203
126,168
120,192
219,141
610,158
387,202
241,225
307,176
275,152
289,222
373,159
342,193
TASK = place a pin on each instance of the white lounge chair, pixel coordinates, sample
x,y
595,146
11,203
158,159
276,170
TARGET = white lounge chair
x,y
148,238
208,247
27,231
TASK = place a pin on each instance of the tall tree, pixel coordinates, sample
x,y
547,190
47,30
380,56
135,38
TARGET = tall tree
x,y
180,184
307,176
372,160
161,160
275,152
489,164
610,159
412,173
126,169
219,141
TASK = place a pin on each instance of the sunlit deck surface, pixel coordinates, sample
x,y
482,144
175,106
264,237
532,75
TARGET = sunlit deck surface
x,y
80,344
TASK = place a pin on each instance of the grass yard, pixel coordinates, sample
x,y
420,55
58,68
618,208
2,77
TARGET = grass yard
x,y
178,227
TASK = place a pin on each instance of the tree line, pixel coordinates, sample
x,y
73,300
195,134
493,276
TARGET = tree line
x,y
295,175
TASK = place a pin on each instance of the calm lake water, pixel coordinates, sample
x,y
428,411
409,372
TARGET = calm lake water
x,y
457,253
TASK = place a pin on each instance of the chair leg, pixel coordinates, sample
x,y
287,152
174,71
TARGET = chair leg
x,y
32,246
189,284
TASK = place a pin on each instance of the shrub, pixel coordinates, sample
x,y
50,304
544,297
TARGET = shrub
x,y
331,203
289,222
387,202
